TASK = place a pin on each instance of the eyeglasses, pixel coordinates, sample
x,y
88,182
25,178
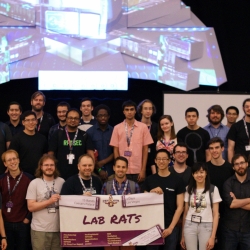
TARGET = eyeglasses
x,y
12,159
30,120
73,118
240,163
162,159
180,152
48,165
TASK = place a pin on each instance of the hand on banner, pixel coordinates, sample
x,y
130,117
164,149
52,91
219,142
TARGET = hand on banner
x,y
157,190
54,198
87,193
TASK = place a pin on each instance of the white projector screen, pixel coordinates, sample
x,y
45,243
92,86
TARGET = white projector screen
x,y
176,104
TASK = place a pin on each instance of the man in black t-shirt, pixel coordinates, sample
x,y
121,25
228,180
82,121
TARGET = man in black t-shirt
x,y
239,134
172,187
44,120
69,144
219,171
29,144
195,137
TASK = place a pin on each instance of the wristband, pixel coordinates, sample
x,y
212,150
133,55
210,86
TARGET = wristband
x,y
4,238
99,170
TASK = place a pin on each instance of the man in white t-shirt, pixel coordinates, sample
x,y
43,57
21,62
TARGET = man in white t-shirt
x,y
42,197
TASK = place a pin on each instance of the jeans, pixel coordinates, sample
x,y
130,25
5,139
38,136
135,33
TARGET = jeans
x,y
194,232
17,235
171,241
234,240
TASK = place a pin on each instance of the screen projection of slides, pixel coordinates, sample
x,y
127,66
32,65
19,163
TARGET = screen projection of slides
x,y
99,44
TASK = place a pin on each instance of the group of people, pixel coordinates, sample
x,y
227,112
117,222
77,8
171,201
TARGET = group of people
x,y
203,168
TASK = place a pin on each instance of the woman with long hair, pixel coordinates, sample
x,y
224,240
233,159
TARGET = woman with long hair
x,y
201,212
166,135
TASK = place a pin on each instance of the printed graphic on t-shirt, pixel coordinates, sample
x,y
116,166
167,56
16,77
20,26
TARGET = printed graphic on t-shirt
x,y
76,143
198,202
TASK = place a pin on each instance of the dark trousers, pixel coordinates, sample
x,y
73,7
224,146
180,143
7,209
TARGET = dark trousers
x,y
234,240
18,235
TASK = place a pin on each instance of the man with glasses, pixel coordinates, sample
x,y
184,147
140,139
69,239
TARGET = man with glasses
x,y
13,186
236,195
232,114
180,167
172,187
69,144
29,144
100,133
43,196
61,110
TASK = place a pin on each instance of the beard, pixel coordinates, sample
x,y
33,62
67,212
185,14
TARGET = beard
x,y
241,173
37,109
217,122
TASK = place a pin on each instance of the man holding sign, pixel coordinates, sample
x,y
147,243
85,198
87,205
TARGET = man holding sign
x,y
120,185
171,185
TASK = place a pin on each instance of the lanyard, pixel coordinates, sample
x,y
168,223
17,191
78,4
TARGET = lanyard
x,y
245,124
215,132
14,188
69,142
124,189
39,126
83,186
131,133
51,190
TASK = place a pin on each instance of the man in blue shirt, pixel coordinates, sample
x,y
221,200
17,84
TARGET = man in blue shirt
x,y
100,133
215,128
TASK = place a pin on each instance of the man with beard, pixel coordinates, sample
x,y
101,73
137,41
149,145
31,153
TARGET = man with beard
x,y
14,111
83,183
29,144
42,197
238,135
180,167
44,120
87,120
130,139
69,144
100,133
215,128
236,193
61,110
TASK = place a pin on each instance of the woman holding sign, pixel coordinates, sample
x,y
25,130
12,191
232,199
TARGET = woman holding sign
x,y
201,214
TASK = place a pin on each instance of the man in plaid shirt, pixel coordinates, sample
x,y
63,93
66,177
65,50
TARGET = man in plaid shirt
x,y
120,185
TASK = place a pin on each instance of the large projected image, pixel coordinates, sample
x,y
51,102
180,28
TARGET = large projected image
x,y
99,44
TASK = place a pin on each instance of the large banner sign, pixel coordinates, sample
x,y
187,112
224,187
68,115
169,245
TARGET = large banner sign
x,y
106,220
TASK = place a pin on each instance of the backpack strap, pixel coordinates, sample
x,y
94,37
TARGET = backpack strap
x,y
132,186
109,186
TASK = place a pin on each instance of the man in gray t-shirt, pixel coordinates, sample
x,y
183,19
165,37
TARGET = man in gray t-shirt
x,y
42,197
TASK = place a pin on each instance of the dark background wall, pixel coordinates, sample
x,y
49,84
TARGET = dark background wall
x,y
230,20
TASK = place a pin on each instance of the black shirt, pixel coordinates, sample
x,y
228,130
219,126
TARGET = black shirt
x,y
185,176
236,219
196,141
73,185
44,126
171,185
14,130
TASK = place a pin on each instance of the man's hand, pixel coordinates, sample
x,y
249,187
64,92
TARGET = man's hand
x,y
54,198
103,175
157,190
141,176
87,193
26,221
